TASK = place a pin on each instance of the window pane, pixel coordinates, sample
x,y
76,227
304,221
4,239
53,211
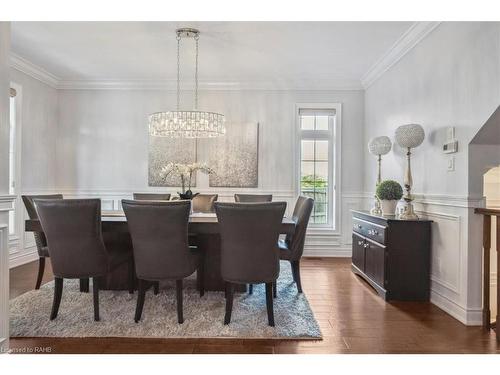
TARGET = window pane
x,y
322,122
307,150
314,175
321,150
307,122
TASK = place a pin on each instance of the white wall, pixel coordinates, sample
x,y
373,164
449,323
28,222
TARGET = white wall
x,y
37,126
4,183
451,78
102,144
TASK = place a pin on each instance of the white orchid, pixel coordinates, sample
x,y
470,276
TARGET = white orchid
x,y
185,172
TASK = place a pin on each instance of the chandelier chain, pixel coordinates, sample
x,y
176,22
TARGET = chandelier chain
x,y
196,76
178,70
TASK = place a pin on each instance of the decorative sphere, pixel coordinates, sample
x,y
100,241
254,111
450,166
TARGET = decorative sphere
x,y
379,145
410,136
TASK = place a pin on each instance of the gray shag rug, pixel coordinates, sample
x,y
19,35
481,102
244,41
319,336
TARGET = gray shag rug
x,y
203,317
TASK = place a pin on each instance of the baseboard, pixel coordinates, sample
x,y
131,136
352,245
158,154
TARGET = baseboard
x,y
336,252
23,259
469,317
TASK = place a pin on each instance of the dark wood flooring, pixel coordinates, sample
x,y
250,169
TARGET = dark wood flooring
x,y
352,319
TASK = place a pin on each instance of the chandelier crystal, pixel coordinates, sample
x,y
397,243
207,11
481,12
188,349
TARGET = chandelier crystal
x,y
187,124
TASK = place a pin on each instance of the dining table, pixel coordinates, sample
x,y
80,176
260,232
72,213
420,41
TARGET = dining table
x,y
204,233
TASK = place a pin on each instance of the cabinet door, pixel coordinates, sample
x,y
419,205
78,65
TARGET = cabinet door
x,y
358,252
375,262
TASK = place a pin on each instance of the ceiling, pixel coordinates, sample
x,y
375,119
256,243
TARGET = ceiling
x,y
338,53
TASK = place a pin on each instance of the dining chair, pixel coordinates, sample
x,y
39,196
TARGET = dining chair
x,y
249,247
159,232
204,202
253,198
151,197
77,251
292,247
40,239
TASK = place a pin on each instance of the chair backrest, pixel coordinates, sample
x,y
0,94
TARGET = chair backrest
x,y
159,232
151,197
301,215
204,202
249,240
253,198
74,236
40,239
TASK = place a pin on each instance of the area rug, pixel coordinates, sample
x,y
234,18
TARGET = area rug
x,y
203,317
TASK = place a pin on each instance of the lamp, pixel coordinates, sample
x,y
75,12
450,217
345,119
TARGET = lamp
x,y
409,136
187,124
379,146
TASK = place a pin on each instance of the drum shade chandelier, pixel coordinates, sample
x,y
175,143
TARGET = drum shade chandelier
x,y
187,124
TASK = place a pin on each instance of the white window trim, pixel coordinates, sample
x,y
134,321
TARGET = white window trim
x,y
335,207
18,207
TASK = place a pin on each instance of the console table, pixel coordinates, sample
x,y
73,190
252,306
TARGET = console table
x,y
392,255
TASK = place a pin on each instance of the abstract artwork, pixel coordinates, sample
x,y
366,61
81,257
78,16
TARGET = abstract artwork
x,y
235,156
163,150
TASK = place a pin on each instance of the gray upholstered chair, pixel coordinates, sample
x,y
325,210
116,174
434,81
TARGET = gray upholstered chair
x,y
204,202
151,197
40,240
159,232
77,251
253,198
249,247
292,247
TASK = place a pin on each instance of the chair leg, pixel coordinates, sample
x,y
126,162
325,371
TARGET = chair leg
x,y
41,269
269,303
178,287
84,285
58,288
250,288
156,287
140,299
131,278
296,272
229,302
200,277
275,289
95,289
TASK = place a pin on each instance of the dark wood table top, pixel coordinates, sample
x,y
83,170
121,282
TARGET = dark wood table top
x,y
199,223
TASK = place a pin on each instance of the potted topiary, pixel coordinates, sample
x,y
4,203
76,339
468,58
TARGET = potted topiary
x,y
389,192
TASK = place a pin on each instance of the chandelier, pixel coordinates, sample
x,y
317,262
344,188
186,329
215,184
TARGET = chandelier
x,y
187,124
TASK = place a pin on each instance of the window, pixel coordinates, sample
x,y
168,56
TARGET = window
x,y
317,155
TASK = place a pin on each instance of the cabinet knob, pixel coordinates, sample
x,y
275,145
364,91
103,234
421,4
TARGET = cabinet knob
x,y
373,232
360,243
366,245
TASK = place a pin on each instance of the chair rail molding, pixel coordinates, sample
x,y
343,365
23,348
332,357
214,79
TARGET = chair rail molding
x,y
7,202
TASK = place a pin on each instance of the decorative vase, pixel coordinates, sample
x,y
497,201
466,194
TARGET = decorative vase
x,y
187,195
388,207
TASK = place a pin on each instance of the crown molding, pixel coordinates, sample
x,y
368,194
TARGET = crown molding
x,y
27,67
21,64
417,32
171,85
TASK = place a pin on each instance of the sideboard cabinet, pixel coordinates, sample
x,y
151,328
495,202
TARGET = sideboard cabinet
x,y
392,255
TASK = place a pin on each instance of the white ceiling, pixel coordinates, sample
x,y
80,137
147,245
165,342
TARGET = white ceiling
x,y
339,53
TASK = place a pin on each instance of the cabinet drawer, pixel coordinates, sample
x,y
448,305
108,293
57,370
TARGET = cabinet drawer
x,y
369,230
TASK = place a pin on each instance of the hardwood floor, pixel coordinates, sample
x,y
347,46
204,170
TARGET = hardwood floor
x,y
352,319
